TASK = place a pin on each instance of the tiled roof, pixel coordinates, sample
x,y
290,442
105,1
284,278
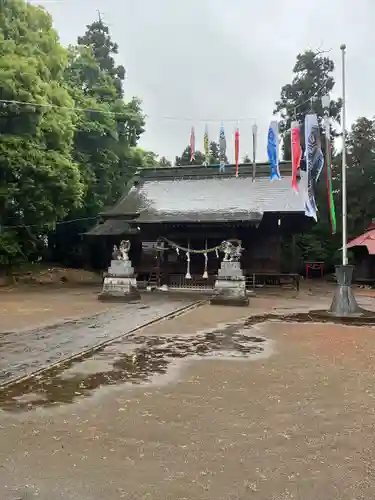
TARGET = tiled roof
x,y
204,194
365,240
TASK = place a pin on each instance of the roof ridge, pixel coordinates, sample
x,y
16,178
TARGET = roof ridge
x,y
210,171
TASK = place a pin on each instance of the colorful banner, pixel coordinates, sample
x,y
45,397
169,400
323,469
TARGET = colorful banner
x,y
296,152
192,145
331,203
206,145
222,147
314,162
237,149
273,150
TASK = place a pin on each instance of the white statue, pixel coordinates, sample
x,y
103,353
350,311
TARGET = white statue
x,y
237,252
226,247
232,253
124,250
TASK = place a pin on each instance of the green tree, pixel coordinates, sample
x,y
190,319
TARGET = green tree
x,y
111,127
141,158
98,38
39,179
107,131
184,159
360,176
215,154
313,78
164,162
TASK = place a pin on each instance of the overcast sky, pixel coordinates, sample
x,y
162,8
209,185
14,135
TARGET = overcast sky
x,y
199,61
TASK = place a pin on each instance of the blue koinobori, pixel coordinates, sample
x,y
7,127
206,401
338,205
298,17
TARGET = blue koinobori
x,y
273,149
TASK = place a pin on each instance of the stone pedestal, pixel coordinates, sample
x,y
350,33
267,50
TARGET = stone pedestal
x,y
230,285
344,302
120,283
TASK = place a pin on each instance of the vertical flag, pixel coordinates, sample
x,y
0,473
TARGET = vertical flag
x,y
314,162
222,147
254,132
331,203
206,144
296,152
273,149
237,148
192,145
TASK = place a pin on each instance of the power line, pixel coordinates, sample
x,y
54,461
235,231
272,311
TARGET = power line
x,y
59,223
58,106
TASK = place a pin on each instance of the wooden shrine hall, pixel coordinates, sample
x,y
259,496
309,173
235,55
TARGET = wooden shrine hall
x,y
171,215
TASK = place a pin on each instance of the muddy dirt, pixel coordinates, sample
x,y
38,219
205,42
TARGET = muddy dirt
x,y
134,360
23,352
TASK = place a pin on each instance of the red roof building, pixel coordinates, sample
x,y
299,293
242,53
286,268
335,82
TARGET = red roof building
x,y
363,248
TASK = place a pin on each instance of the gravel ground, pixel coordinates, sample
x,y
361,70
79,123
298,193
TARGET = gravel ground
x,y
295,421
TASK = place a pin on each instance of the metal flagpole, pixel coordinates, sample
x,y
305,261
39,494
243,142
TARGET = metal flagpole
x,y
344,303
343,188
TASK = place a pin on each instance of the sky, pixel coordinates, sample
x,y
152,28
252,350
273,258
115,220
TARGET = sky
x,y
198,62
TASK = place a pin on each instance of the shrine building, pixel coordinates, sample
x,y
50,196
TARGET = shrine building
x,y
168,213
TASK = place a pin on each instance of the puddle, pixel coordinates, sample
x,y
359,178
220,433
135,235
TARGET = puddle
x,y
134,360
366,318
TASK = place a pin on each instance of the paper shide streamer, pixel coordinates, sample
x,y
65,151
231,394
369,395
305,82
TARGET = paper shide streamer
x,y
273,150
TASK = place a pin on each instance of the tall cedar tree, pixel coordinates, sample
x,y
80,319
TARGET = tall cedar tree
x,y
39,180
107,131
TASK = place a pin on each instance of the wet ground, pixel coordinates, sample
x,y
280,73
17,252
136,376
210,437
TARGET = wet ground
x,y
23,352
207,405
135,359
27,307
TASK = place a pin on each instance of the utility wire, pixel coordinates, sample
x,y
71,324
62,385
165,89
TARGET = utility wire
x,y
58,106
24,226
172,118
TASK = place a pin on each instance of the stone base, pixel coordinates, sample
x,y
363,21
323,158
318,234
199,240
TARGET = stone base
x,y
229,300
344,303
230,286
119,289
121,268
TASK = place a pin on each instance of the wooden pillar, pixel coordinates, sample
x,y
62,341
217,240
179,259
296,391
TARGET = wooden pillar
x,y
158,266
294,254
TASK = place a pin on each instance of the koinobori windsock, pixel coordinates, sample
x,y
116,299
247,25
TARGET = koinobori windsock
x,y
222,147
273,149
237,149
314,162
331,202
296,152
192,145
206,145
